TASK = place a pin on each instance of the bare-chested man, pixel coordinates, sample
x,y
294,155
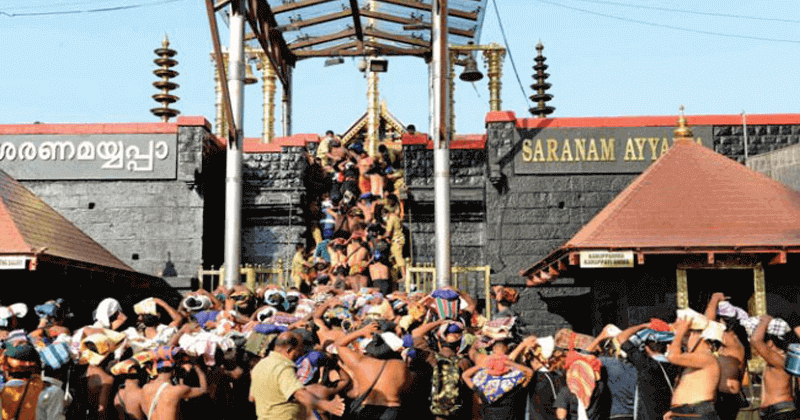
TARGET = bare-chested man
x,y
777,402
732,356
378,383
161,399
696,392
129,396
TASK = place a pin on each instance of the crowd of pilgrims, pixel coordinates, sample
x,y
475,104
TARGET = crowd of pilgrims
x,y
338,352
356,207
342,342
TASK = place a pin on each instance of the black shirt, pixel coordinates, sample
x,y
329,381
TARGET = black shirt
x,y
542,393
598,408
654,392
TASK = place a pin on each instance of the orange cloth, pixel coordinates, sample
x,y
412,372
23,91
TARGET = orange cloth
x,y
12,402
581,380
659,325
496,365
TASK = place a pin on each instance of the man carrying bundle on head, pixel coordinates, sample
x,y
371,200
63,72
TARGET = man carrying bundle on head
x,y
696,392
733,355
770,340
645,345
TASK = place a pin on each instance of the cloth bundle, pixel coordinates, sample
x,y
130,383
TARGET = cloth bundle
x,y
446,303
159,358
565,338
105,310
196,303
17,310
95,348
494,387
146,307
505,294
777,327
55,355
725,308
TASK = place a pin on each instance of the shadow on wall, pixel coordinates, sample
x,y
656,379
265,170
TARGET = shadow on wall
x,y
575,309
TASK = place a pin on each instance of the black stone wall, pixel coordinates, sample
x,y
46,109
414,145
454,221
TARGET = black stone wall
x,y
729,139
145,223
498,218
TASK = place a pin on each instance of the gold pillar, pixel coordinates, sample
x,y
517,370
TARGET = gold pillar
x,y
373,113
759,290
268,78
220,123
493,56
682,297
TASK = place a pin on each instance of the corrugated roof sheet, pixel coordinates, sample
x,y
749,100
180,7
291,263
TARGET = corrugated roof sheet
x,y
692,198
28,225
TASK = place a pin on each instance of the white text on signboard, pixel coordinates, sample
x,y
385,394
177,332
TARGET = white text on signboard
x,y
606,259
12,263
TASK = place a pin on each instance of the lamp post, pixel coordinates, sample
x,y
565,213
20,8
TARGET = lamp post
x,y
440,131
233,168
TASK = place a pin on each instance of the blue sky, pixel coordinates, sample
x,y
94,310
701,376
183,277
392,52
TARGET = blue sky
x,y
606,58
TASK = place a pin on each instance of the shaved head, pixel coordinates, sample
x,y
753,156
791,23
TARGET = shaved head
x,y
288,340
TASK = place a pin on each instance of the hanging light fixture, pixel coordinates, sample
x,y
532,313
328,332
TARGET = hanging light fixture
x,y
332,61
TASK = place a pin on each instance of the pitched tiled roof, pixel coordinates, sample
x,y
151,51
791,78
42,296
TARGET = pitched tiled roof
x,y
28,226
692,199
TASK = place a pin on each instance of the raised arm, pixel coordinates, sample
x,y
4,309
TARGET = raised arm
x,y
526,344
427,327
348,356
193,392
713,303
676,356
628,332
757,341
177,318
468,374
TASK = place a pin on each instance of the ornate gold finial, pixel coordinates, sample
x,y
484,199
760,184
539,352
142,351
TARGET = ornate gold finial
x,y
683,131
165,72
541,97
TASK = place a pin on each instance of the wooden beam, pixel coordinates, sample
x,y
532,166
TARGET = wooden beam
x,y
780,258
397,38
337,50
407,21
288,7
357,23
321,39
393,50
263,23
370,47
710,258
223,75
418,5
220,4
316,21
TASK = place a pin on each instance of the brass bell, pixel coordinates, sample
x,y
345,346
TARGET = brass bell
x,y
471,72
249,77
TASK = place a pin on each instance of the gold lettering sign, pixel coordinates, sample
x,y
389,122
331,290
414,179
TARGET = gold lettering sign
x,y
589,150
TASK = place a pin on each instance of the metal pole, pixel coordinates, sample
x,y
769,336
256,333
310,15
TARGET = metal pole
x,y
744,123
233,168
441,141
286,105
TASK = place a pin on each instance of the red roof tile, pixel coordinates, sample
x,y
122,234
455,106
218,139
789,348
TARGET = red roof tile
x,y
28,225
692,198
